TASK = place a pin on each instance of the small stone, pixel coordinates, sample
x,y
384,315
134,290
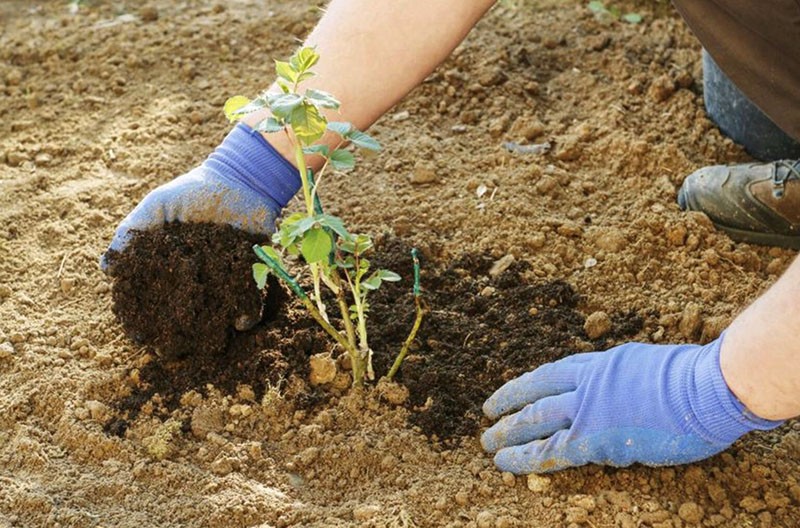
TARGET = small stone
x,y
423,173
394,393
13,77
66,285
222,466
752,505
43,158
691,512
485,519
462,498
17,337
587,502
102,287
104,359
401,116
323,369
609,239
538,483
509,479
597,325
148,14
488,291
5,291
661,89
308,455
570,150
691,321
15,158
501,265
206,420
389,462
577,515
527,128
677,235
6,351
365,512
97,410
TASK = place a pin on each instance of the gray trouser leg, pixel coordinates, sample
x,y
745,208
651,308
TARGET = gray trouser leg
x,y
741,120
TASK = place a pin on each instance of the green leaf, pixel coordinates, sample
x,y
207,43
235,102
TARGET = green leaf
x,y
322,99
299,228
303,59
388,276
285,71
335,224
270,125
232,106
317,245
357,244
305,76
322,150
340,127
342,159
283,86
632,18
260,274
372,283
597,7
307,123
362,140
283,105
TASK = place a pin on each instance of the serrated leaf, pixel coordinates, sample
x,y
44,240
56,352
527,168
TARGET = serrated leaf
x,y
316,246
283,105
233,104
270,125
364,141
632,18
260,274
340,127
284,70
342,159
388,276
303,59
322,150
322,99
335,224
299,228
307,123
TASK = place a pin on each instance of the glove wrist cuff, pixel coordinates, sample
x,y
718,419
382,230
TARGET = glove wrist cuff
x,y
246,157
720,415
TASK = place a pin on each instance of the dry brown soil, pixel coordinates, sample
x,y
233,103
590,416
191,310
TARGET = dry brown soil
x,y
100,106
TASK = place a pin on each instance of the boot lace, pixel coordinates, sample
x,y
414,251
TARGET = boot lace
x,y
779,177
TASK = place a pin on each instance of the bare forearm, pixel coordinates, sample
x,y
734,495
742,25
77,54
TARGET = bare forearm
x,y
760,356
374,52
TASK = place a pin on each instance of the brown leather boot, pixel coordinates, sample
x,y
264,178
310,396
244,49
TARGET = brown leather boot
x,y
757,203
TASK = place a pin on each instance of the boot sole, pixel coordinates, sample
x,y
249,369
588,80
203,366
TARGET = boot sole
x,y
761,239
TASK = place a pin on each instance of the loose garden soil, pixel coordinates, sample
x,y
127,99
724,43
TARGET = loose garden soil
x,y
140,404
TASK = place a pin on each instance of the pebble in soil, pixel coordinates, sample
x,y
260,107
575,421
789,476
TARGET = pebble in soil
x,y
481,330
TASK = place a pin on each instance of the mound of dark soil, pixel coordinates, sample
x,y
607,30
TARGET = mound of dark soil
x,y
181,289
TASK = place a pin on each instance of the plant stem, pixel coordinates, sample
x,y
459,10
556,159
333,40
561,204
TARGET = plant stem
x,y
403,351
300,157
417,320
309,305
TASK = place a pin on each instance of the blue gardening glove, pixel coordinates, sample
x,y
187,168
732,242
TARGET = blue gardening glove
x,y
245,182
656,405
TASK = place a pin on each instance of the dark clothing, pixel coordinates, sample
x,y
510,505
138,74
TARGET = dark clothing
x,y
742,121
757,44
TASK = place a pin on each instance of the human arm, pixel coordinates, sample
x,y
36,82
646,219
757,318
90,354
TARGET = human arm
x,y
373,53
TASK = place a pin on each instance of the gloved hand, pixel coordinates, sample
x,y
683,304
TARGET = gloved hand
x,y
653,404
245,182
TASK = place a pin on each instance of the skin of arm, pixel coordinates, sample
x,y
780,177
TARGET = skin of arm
x,y
760,355
374,53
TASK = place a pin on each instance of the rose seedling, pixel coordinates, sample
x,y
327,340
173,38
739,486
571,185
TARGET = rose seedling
x,y
334,258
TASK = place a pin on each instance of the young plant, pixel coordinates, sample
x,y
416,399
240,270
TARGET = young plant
x,y
601,11
336,259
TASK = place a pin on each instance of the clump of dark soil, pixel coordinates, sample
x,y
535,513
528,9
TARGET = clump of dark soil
x,y
182,288
479,333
